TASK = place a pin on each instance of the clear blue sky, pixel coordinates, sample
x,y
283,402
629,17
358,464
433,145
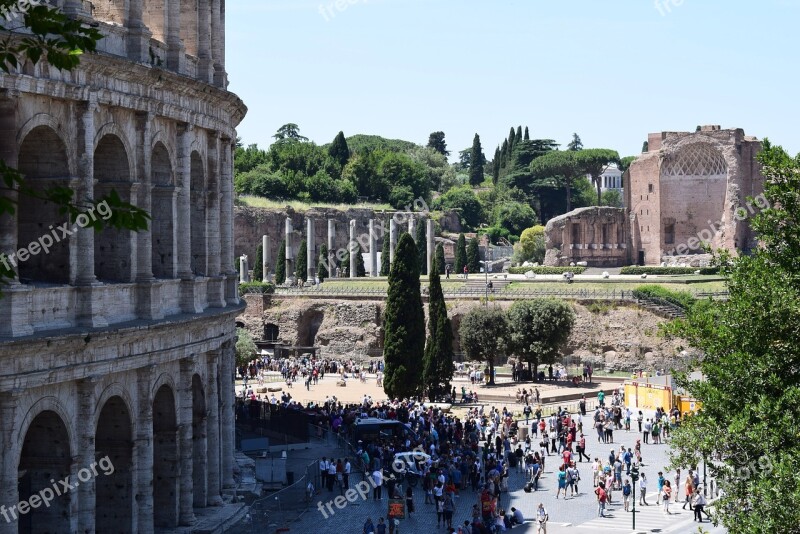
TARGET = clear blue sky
x,y
611,70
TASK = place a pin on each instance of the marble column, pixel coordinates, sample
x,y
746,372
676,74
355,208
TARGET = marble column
x,y
145,377
244,270
353,244
217,46
85,455
205,61
184,221
431,244
139,35
331,248
212,433
311,259
144,247
185,445
9,440
373,249
289,252
392,240
412,226
213,207
226,419
266,258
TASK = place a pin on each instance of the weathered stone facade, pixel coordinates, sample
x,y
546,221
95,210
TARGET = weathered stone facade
x,y
121,344
597,236
690,188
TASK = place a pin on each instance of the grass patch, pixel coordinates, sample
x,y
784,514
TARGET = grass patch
x,y
299,205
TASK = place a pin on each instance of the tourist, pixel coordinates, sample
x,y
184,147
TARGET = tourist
x,y
409,500
381,527
660,487
516,517
377,482
466,273
699,502
600,492
667,491
449,508
689,491
541,518
562,482
369,528
643,490
626,494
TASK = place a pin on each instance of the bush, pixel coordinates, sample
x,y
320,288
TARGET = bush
x,y
264,288
682,299
635,269
546,270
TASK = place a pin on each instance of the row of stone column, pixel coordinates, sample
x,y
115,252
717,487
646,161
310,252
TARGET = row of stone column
x,y
375,232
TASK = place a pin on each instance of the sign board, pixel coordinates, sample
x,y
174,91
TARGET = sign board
x,y
397,509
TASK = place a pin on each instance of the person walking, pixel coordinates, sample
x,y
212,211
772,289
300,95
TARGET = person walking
x,y
466,272
601,500
449,508
626,494
377,481
660,486
667,491
562,482
699,504
541,518
689,492
643,490
409,500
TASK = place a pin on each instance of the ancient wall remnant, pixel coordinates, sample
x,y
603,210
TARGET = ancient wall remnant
x,y
595,235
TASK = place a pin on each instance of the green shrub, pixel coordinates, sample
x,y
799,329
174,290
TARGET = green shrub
x,y
264,288
683,299
546,270
635,269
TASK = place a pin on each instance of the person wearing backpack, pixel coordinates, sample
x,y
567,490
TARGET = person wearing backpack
x,y
626,494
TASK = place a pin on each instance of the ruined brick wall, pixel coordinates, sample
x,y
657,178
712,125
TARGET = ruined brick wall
x,y
596,235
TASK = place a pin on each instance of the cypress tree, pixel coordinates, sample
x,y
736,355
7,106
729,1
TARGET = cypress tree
x,y
476,162
438,367
280,264
258,267
496,165
302,262
339,150
385,255
461,254
527,136
404,325
511,140
473,256
504,154
518,136
439,258
322,265
360,269
422,252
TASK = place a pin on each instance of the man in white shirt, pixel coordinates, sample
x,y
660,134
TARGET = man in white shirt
x,y
377,482
346,478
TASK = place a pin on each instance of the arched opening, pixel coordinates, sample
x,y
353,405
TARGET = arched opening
x,y
114,481
164,256
111,11
46,457
308,326
198,199
189,19
199,445
113,260
154,14
165,459
43,162
271,332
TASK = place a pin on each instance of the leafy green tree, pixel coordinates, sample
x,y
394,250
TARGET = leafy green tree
x,y
280,264
461,254
438,366
518,135
594,162
245,347
322,264
496,166
473,256
435,166
247,159
404,325
401,196
462,198
559,166
576,144
625,163
301,264
361,270
439,258
338,150
386,255
436,141
514,216
612,198
484,334
540,329
258,266
289,132
531,246
422,250
512,140
751,376
477,160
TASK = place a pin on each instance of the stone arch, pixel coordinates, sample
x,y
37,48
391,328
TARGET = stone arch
x,y
43,160
199,214
271,332
166,460
46,455
111,11
199,444
154,15
189,26
114,456
113,249
163,212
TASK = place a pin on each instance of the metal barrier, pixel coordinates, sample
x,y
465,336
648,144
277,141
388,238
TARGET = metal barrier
x,y
278,510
